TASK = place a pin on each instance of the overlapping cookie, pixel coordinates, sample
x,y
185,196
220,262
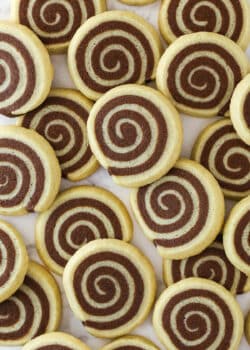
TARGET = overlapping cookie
x,y
199,73
56,21
135,133
110,286
226,156
131,342
183,212
198,314
26,72
30,174
79,215
62,120
113,48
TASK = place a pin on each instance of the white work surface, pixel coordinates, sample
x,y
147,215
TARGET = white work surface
x,y
25,224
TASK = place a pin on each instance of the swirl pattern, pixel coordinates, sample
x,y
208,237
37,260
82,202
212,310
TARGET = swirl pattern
x,y
62,119
110,286
111,49
33,310
21,57
223,153
198,314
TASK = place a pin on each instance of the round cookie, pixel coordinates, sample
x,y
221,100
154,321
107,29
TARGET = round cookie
x,y
135,133
55,22
236,236
110,286
26,72
240,109
227,17
13,260
33,310
222,152
111,49
213,264
247,327
56,341
62,120
30,174
131,342
198,314
199,72
183,212
79,215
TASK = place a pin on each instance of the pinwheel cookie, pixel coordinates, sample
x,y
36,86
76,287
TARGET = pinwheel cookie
x,y
237,236
226,156
25,70
62,120
13,259
113,48
55,22
198,314
135,133
240,109
30,175
131,342
183,212
79,215
213,264
56,341
199,72
227,17
110,286
33,310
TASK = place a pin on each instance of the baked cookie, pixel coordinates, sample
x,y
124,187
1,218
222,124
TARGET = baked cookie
x,y
33,310
13,260
62,120
237,236
131,342
30,174
240,109
222,152
79,215
183,212
56,341
247,327
26,72
113,48
212,264
198,314
135,133
227,17
110,286
55,22
199,72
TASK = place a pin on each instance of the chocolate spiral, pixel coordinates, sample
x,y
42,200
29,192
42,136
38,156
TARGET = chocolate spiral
x,y
242,238
246,109
8,258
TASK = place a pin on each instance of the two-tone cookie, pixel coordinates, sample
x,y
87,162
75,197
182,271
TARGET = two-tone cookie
x,y
56,341
226,156
135,133
55,22
198,314
33,310
240,109
79,215
199,72
236,237
26,72
213,264
227,17
110,286
111,49
13,260
183,212
30,174
131,342
62,121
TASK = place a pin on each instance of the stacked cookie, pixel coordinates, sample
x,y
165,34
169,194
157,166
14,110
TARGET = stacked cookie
x,y
114,120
